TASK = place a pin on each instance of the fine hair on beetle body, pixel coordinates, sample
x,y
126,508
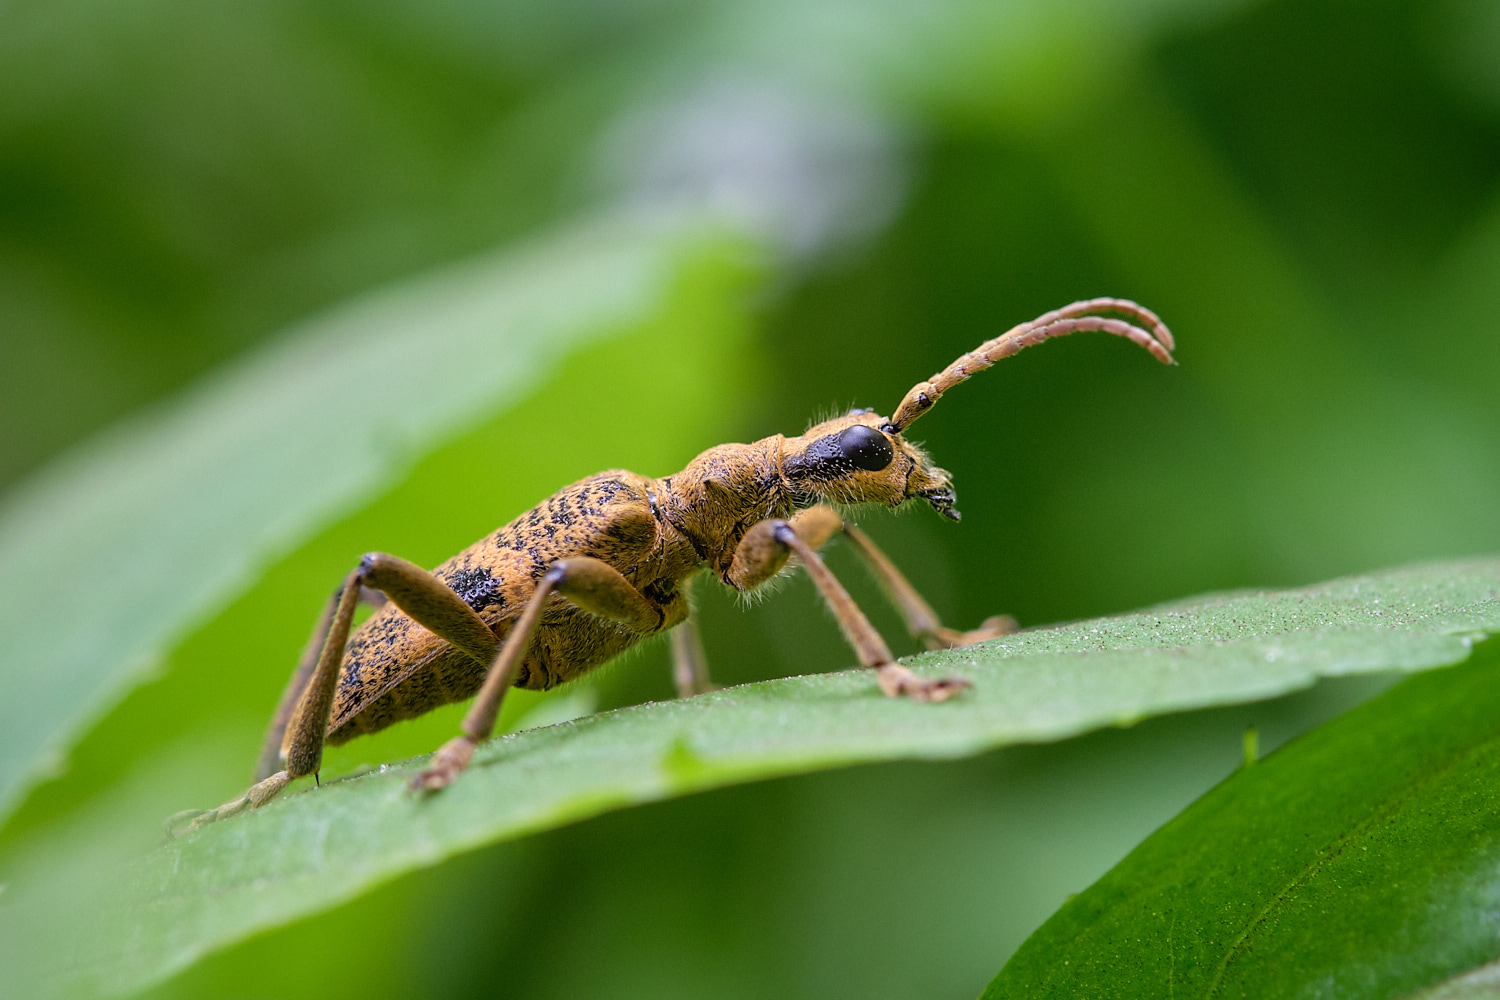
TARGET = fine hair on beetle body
x,y
606,563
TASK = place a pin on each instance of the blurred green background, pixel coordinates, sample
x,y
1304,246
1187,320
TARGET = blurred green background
x,y
1308,192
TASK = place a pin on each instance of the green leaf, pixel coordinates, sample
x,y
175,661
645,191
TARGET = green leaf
x,y
307,852
1362,860
175,512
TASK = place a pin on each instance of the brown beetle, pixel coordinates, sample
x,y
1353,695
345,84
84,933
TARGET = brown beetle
x,y
604,563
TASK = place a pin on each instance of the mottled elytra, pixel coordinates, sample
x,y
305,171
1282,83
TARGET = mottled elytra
x,y
606,562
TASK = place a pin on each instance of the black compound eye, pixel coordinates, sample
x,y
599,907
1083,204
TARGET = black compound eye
x,y
866,448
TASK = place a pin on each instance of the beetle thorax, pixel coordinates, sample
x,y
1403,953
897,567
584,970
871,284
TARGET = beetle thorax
x,y
722,492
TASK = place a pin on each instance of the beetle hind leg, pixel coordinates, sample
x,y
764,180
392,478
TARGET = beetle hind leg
x,y
297,731
256,796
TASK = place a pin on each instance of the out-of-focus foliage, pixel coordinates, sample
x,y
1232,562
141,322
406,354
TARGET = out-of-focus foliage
x,y
1306,191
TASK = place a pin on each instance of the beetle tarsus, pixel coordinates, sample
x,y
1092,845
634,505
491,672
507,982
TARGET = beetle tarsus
x,y
896,680
992,627
447,764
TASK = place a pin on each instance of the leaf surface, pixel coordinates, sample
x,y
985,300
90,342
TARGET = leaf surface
x,y
306,852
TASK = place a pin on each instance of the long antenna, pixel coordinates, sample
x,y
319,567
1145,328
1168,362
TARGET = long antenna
x,y
1075,318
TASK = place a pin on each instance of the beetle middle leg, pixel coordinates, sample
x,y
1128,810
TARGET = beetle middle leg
x,y
689,663
921,620
590,583
763,551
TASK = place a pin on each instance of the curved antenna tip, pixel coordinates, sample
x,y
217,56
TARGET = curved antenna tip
x,y
1142,327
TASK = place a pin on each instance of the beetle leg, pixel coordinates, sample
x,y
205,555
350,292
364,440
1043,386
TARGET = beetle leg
x,y
593,585
315,698
299,736
272,750
752,565
768,543
921,620
272,755
759,556
689,664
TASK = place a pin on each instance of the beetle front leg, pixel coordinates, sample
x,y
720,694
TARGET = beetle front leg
x,y
921,620
760,555
593,585
769,542
751,567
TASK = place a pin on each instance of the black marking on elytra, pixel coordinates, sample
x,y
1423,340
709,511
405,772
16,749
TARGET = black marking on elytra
x,y
632,532
477,586
560,512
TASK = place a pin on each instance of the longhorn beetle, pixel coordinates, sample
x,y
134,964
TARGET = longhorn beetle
x,y
606,562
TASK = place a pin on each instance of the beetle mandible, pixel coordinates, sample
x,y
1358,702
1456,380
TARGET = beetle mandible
x,y
606,562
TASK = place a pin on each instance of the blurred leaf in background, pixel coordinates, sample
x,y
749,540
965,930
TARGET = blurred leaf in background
x,y
1306,191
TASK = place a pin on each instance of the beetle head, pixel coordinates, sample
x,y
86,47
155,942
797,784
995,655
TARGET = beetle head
x,y
851,460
